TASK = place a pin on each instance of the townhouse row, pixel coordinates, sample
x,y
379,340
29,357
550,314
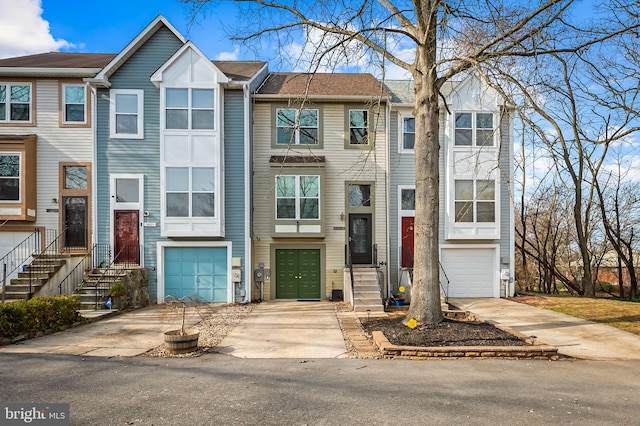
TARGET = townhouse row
x,y
233,183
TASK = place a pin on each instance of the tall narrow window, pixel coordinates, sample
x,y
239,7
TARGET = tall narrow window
x,y
297,197
10,177
126,114
15,102
408,133
297,127
358,127
73,108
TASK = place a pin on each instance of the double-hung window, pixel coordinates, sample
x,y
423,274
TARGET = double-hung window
x,y
188,108
358,127
297,197
475,201
10,177
297,126
74,104
474,129
15,103
190,191
408,133
126,114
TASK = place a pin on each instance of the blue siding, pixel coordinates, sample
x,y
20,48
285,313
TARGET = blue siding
x,y
235,173
135,156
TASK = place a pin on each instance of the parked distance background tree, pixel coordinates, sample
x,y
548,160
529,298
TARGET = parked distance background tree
x,y
434,41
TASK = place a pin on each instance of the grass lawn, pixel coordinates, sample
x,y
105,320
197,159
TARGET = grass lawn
x,y
622,315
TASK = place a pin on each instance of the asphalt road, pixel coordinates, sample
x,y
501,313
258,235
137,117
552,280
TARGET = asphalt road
x,y
217,389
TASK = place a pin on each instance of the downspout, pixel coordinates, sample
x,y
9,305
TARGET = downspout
x,y
94,167
247,196
387,182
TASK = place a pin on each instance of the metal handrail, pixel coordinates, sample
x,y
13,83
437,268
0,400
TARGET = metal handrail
x,y
112,277
99,254
20,254
446,296
51,248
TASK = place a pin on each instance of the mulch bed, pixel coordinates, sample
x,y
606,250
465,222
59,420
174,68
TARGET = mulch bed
x,y
446,333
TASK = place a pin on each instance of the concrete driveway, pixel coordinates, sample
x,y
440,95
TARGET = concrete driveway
x,y
572,336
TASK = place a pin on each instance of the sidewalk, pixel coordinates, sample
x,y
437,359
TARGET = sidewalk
x,y
572,336
127,334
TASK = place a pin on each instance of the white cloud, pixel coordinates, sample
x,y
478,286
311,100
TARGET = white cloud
x,y
228,56
23,31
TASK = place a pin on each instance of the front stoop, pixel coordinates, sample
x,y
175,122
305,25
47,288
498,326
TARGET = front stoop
x,y
366,292
535,351
42,269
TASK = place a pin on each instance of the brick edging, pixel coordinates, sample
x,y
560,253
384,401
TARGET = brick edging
x,y
535,351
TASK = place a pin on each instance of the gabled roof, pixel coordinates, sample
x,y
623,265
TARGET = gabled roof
x,y
322,85
402,91
55,64
188,49
160,21
240,70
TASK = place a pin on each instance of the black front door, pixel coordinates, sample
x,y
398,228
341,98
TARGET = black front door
x,y
360,238
74,218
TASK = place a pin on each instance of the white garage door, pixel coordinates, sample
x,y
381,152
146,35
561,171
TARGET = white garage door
x,y
471,272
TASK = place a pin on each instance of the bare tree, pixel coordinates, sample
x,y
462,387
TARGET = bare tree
x,y
446,38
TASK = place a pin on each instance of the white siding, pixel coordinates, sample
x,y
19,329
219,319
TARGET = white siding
x,y
54,145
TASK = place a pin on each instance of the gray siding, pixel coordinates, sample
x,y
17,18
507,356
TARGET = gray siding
x,y
135,155
234,171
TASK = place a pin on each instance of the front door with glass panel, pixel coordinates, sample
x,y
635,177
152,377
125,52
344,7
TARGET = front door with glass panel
x,y
75,202
126,202
74,217
360,239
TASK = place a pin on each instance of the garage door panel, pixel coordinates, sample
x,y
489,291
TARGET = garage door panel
x,y
471,271
196,271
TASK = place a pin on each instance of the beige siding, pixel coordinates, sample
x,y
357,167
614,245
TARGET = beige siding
x,y
54,145
341,165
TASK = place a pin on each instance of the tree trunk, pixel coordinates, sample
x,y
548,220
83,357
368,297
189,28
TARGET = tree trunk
x,y
425,294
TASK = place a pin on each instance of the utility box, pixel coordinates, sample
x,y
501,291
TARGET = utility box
x,y
258,275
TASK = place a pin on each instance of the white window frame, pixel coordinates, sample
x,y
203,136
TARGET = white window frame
x,y
475,201
65,103
8,102
298,198
190,109
190,191
474,129
19,178
401,118
140,114
366,127
296,126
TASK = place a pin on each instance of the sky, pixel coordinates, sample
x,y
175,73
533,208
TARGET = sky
x,y
38,26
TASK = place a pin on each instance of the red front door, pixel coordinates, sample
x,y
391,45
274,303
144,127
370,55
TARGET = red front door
x,y
127,236
407,242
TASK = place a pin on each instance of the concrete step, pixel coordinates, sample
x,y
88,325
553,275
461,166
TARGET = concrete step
x,y
378,309
366,288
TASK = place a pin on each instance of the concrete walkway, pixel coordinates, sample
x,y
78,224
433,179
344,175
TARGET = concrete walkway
x,y
127,334
287,329
572,336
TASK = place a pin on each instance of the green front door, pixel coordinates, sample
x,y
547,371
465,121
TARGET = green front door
x,y
298,274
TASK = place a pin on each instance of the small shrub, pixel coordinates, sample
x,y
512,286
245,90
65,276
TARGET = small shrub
x,y
38,314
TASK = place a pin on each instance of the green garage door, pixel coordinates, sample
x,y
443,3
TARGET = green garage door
x,y
298,274
196,271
